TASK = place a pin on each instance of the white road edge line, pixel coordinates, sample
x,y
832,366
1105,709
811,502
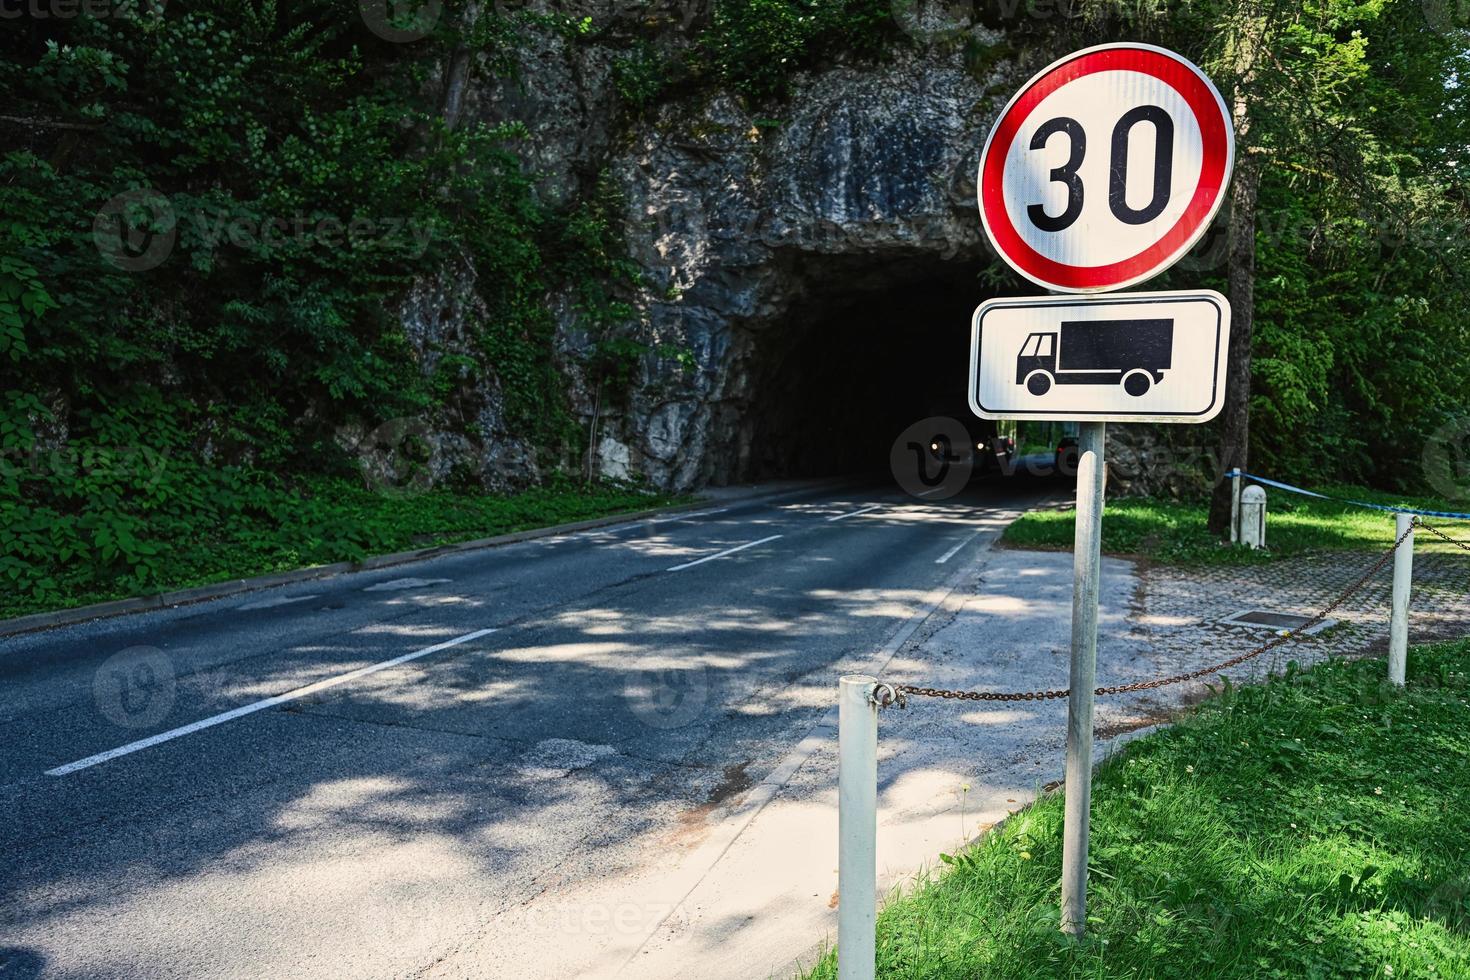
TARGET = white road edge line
x,y
956,549
854,513
247,709
721,554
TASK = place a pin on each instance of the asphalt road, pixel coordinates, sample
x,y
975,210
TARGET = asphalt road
x,y
357,776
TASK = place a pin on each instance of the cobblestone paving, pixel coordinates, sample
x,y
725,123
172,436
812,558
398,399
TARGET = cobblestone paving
x,y
1182,607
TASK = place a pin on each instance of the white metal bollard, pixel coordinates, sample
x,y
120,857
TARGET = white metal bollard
x,y
1253,517
1235,479
857,827
1398,617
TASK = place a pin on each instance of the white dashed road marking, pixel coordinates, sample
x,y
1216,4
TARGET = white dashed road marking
x,y
399,584
686,517
249,709
854,513
721,554
280,600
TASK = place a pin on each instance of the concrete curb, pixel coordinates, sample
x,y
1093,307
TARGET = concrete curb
x,y
220,590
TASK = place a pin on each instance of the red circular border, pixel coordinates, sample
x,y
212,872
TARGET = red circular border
x,y
1203,102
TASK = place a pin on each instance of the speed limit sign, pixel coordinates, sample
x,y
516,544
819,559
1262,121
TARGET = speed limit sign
x,y
1105,168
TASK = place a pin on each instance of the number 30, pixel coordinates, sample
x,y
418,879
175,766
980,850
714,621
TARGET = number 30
x,y
1118,168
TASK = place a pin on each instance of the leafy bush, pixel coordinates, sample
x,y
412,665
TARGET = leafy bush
x,y
755,46
211,214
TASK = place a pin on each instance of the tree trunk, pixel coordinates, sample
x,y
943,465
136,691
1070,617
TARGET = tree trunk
x,y
1236,415
457,71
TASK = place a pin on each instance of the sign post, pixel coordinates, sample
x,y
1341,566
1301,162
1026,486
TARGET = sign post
x,y
1082,674
1100,173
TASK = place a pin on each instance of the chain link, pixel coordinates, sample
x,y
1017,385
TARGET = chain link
x,y
1438,533
900,690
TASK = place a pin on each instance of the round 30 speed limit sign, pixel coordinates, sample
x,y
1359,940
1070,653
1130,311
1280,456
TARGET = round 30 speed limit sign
x,y
1105,168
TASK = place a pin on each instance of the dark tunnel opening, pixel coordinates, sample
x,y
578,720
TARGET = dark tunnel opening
x,y
868,352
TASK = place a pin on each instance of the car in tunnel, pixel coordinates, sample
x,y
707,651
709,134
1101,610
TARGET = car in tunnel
x,y
992,453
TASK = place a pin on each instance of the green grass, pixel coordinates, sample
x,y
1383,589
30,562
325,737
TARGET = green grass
x,y
1171,531
326,521
1313,826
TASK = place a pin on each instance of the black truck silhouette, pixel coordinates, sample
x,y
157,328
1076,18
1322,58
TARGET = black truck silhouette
x,y
1133,353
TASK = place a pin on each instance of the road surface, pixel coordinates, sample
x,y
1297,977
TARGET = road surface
x,y
359,776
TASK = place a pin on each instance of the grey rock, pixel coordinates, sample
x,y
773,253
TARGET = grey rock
x,y
733,219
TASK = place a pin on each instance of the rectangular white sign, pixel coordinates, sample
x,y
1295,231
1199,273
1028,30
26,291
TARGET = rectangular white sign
x,y
1117,357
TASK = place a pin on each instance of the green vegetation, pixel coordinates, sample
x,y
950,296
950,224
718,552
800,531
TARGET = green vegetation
x,y
1310,827
1173,531
1351,125
200,285
214,213
753,48
756,46
245,528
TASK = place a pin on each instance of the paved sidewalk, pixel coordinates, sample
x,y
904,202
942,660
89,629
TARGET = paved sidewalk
x,y
1183,607
948,771
750,891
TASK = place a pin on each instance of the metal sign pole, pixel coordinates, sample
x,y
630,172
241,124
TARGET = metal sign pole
x,y
857,827
1087,566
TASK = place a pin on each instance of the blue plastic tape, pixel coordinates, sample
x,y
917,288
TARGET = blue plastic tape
x,y
1345,500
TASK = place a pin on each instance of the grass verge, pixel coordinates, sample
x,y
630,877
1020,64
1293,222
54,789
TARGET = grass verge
x,y
321,522
1313,826
1175,532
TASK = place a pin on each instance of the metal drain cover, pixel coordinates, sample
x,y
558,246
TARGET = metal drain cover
x,y
1265,619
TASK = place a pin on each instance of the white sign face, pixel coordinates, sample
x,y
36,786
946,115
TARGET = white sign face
x,y
1125,357
1105,168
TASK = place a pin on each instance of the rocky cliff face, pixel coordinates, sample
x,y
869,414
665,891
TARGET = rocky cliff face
x,y
751,226
740,221
735,218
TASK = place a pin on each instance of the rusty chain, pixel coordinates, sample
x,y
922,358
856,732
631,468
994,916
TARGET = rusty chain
x,y
900,691
1438,533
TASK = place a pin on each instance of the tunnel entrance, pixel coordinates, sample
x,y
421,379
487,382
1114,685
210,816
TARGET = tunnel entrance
x,y
868,350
